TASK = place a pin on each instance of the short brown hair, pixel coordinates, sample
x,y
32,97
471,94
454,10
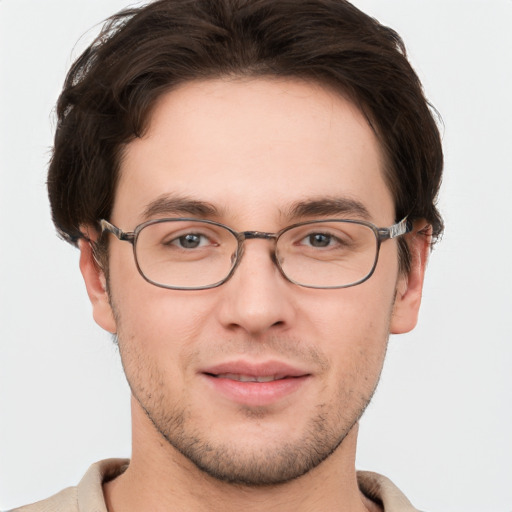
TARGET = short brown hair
x,y
142,53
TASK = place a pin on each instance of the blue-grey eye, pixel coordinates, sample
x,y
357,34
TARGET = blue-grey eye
x,y
190,241
319,240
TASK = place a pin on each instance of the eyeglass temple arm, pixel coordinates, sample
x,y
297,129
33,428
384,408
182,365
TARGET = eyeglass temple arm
x,y
118,233
398,229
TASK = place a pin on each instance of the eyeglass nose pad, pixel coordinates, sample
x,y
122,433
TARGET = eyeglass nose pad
x,y
276,260
237,254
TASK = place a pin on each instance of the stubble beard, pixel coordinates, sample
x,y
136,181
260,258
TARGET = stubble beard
x,y
234,462
238,462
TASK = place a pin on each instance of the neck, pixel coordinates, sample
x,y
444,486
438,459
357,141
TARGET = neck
x,y
159,478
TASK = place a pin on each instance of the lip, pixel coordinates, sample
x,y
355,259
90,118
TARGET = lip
x,y
223,379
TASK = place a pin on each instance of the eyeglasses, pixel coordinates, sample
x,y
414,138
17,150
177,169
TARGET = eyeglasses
x,y
192,254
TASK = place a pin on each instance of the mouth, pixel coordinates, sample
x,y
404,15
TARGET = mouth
x,y
255,384
251,378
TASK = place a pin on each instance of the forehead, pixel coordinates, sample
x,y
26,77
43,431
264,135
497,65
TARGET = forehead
x,y
253,148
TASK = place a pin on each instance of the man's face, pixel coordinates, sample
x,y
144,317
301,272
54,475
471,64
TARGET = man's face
x,y
252,150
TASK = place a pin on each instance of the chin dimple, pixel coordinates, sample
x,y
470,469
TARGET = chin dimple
x,y
249,378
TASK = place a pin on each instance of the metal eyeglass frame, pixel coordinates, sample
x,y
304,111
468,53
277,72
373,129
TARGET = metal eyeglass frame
x,y
381,234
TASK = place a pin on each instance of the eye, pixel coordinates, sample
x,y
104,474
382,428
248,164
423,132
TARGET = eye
x,y
190,241
319,240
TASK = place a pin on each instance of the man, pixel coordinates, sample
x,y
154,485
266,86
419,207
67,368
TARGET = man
x,y
252,188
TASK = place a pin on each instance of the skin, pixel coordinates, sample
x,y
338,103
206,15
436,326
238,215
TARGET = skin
x,y
252,149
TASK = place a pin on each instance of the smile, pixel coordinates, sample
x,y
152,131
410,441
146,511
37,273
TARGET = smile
x,y
255,384
250,378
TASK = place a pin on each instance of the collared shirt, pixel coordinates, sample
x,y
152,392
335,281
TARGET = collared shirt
x,y
87,496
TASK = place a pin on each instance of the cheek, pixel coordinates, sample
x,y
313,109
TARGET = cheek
x,y
355,312
158,329
159,320
352,327
153,316
155,336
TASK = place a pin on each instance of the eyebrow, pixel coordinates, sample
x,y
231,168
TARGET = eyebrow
x,y
173,205
179,205
328,206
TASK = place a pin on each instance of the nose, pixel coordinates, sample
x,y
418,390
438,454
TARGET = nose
x,y
257,299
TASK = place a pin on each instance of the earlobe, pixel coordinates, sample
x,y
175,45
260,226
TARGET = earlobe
x,y
410,286
96,286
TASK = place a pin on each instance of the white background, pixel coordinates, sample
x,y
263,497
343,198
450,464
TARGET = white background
x,y
440,425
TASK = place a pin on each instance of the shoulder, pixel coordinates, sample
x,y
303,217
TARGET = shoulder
x,y
384,492
64,501
87,496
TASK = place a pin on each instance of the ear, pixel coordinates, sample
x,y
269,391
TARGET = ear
x,y
96,285
410,285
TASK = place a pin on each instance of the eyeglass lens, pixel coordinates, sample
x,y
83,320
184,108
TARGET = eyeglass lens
x,y
195,254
